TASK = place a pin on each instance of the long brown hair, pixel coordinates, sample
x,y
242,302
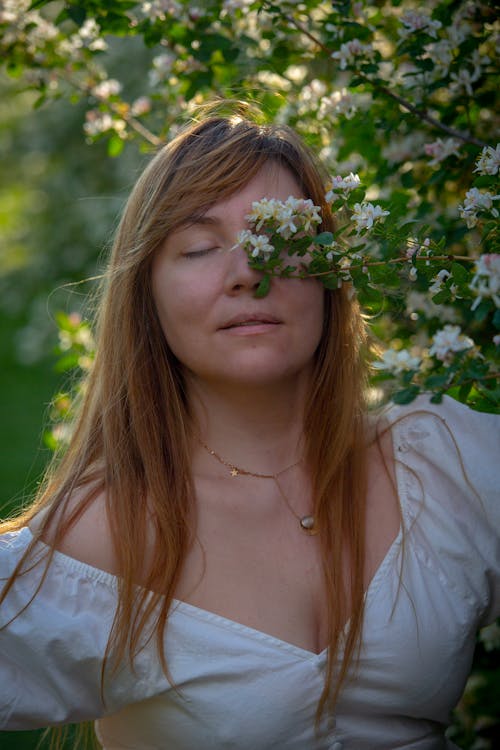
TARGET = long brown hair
x,y
132,436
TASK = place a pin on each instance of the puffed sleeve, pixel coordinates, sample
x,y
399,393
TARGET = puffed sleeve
x,y
52,648
454,453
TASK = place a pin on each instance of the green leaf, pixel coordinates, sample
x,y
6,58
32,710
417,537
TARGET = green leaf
x,y
436,381
464,391
324,238
436,398
481,311
460,274
77,13
442,296
264,286
496,319
115,145
406,396
330,281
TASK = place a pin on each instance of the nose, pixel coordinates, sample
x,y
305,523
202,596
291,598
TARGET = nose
x,y
239,276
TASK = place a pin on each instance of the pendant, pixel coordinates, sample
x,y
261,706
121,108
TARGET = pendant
x,y
307,525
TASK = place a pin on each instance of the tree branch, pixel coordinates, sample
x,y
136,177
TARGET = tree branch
x,y
420,113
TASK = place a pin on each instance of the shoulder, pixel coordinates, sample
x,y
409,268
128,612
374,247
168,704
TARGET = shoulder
x,y
453,450
451,428
89,539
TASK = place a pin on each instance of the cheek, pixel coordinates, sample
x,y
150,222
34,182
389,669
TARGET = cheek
x,y
312,303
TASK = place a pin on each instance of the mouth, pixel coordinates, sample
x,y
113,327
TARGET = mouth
x,y
251,321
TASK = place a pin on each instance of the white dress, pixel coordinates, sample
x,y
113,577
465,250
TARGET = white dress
x,y
236,687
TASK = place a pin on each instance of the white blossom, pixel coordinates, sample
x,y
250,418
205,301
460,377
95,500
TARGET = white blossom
x,y
486,280
90,35
448,341
366,214
458,32
441,53
350,51
100,122
419,302
439,280
12,10
490,636
462,81
397,361
273,80
478,61
339,184
257,244
107,88
404,148
417,80
340,102
414,21
291,215
475,201
162,67
141,106
489,160
415,247
231,5
160,9
441,150
310,95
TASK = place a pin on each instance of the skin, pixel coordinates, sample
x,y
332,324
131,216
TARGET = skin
x,y
250,561
204,293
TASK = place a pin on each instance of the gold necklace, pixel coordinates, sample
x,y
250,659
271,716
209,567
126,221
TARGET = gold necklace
x,y
307,522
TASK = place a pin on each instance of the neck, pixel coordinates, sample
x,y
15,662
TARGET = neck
x,y
257,428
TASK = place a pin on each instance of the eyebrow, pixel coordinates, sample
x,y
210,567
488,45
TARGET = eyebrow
x,y
202,220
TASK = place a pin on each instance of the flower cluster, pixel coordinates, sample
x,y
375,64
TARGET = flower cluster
x,y
159,10
340,102
486,280
97,122
350,52
291,216
342,185
440,150
256,245
107,88
397,361
477,201
447,341
413,21
366,214
488,161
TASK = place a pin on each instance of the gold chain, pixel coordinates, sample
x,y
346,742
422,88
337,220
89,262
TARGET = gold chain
x,y
307,522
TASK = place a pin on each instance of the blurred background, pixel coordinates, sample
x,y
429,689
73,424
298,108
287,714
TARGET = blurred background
x,y
60,198
59,201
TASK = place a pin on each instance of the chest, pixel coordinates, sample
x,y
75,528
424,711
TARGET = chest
x,y
251,562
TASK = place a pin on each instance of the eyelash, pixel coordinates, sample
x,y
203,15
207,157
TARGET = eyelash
x,y
200,253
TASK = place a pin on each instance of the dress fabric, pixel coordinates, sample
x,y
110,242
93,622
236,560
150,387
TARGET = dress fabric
x,y
238,688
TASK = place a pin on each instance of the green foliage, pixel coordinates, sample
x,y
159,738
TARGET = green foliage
x,y
405,101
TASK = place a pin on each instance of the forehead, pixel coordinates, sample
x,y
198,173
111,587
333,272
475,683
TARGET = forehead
x,y
272,181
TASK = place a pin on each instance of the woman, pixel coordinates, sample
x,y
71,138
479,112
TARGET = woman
x,y
231,553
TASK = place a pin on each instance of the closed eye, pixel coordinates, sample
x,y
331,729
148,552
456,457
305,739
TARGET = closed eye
x,y
200,253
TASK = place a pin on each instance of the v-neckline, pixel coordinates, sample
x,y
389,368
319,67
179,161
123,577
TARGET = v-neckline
x,y
179,605
369,593
257,634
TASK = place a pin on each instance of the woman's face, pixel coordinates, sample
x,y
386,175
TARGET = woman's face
x,y
204,294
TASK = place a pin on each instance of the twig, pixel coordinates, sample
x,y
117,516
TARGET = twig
x,y
115,107
421,114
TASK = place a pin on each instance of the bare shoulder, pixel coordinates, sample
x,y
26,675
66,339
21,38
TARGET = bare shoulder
x,y
89,538
383,513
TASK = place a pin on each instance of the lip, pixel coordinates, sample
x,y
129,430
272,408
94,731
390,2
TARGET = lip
x,y
250,321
